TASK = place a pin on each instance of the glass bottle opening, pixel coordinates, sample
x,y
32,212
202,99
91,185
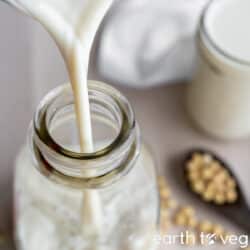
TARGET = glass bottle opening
x,y
55,136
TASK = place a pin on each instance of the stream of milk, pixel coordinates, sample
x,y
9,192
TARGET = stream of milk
x,y
73,25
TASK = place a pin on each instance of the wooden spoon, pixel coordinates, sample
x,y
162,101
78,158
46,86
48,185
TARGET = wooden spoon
x,y
239,210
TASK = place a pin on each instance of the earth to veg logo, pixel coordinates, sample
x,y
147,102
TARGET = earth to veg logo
x,y
187,237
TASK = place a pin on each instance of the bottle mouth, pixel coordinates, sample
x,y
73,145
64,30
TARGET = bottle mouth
x,y
205,36
61,158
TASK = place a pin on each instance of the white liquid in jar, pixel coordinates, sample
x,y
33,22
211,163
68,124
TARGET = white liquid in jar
x,y
227,23
218,97
49,218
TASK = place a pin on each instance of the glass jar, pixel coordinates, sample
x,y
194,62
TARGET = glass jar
x,y
218,98
52,174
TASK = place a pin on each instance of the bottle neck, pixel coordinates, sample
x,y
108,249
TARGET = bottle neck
x,y
54,138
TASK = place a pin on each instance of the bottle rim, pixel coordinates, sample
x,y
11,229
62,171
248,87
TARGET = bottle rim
x,y
84,169
42,129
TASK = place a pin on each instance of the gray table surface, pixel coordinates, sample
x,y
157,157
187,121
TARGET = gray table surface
x,y
166,128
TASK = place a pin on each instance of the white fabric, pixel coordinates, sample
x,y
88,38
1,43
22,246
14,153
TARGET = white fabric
x,y
147,42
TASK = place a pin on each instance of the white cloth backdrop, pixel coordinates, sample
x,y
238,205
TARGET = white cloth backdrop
x,y
147,42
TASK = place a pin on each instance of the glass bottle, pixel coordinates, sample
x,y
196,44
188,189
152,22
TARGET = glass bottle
x,y
51,175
